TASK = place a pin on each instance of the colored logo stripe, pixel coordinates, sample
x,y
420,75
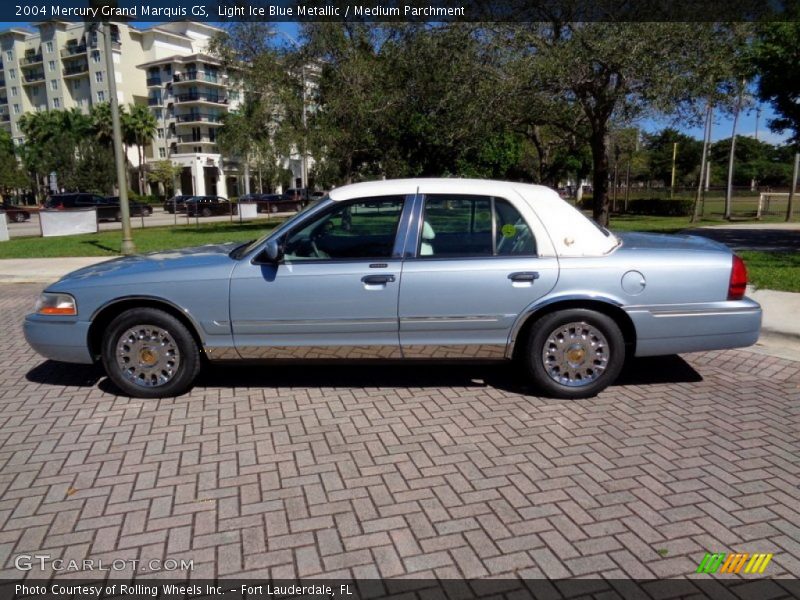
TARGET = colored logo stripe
x,y
713,562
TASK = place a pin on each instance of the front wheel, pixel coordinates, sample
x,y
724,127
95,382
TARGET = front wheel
x,y
19,217
148,353
574,353
206,212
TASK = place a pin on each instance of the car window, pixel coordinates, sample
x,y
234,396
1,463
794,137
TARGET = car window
x,y
363,229
467,226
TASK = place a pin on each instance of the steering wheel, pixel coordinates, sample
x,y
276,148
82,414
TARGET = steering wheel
x,y
316,235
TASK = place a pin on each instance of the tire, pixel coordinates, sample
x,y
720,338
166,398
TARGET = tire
x,y
118,216
274,208
174,357
148,211
206,212
584,333
19,217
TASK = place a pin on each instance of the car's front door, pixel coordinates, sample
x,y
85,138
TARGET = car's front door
x,y
333,295
474,268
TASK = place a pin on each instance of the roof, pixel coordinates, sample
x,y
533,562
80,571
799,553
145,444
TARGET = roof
x,y
571,233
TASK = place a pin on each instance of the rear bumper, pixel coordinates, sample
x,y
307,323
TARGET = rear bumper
x,y
65,341
673,329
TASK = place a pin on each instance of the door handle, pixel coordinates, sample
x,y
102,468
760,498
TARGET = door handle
x,y
377,279
526,276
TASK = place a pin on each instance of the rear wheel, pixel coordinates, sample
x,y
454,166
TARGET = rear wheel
x,y
148,353
206,212
574,353
19,217
274,208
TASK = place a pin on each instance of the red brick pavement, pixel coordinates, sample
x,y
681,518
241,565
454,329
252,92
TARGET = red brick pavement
x,y
435,471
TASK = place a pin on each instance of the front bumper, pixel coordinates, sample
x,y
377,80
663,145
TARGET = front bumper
x,y
674,329
58,339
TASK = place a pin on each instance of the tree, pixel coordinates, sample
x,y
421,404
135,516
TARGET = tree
x,y
776,59
659,147
11,176
165,173
621,71
139,129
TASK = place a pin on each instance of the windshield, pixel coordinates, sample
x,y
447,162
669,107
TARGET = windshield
x,y
247,248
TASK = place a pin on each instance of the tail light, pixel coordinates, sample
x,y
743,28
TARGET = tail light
x,y
738,281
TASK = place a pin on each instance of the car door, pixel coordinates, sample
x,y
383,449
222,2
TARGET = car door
x,y
472,268
334,293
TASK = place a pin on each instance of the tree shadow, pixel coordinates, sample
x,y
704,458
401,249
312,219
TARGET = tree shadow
x,y
101,246
784,240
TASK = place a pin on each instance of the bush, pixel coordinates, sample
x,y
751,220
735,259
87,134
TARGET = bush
x,y
662,207
148,199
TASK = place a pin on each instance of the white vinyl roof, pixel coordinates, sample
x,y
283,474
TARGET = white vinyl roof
x,y
570,232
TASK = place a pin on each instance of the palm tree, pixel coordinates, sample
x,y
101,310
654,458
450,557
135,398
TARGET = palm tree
x,y
139,127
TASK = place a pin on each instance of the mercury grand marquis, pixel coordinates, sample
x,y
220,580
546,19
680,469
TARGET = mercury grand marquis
x,y
430,269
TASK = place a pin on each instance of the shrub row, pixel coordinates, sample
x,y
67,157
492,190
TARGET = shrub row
x,y
662,207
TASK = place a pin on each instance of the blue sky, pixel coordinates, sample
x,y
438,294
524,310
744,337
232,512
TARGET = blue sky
x,y
721,128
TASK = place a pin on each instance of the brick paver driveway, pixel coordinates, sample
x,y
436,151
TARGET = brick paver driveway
x,y
389,471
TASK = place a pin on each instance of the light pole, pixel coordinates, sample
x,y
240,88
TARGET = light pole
x,y
127,247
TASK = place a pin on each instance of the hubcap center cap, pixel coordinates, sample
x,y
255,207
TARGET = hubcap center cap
x,y
148,357
575,355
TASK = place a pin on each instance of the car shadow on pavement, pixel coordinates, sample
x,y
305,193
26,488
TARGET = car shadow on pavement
x,y
51,372
505,376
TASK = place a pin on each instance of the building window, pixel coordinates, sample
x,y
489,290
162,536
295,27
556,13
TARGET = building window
x,y
9,56
158,114
101,96
95,56
12,73
98,77
56,102
16,109
54,84
35,91
14,91
160,133
162,153
51,65
48,46
76,84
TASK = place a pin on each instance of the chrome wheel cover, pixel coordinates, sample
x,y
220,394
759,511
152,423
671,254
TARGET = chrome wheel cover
x,y
575,354
148,356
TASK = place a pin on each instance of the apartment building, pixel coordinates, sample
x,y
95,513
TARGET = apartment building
x,y
61,65
189,96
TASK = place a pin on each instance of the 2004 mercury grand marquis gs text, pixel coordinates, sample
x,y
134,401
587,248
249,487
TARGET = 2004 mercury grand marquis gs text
x,y
408,269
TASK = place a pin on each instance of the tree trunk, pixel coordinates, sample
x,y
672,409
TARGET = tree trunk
x,y
599,145
141,170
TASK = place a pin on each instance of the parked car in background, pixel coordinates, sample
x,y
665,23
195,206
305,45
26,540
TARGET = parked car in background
x,y
449,269
296,195
137,209
206,206
176,204
106,211
271,203
14,213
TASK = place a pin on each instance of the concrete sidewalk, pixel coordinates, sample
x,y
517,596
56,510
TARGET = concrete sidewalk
x,y
781,309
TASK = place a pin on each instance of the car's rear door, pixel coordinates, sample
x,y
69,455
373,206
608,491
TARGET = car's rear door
x,y
472,268
334,295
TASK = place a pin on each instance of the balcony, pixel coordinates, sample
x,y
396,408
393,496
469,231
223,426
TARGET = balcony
x,y
151,81
5,117
200,97
193,139
195,76
31,59
2,83
33,77
155,101
199,118
73,50
76,70
3,100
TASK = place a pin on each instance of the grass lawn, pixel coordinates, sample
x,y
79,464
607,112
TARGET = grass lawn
x,y
773,270
107,243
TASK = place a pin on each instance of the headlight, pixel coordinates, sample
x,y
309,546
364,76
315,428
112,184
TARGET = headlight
x,y
55,304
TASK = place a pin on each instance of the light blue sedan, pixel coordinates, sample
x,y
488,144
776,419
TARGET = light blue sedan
x,y
438,269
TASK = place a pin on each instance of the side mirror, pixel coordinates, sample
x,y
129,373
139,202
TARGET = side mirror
x,y
274,251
